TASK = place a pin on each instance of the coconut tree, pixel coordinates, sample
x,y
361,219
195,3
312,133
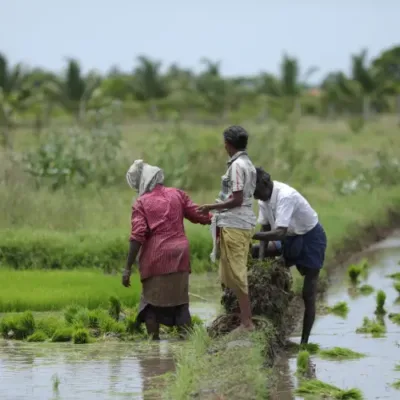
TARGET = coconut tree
x,y
12,96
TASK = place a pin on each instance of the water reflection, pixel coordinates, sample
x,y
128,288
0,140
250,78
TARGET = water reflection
x,y
375,373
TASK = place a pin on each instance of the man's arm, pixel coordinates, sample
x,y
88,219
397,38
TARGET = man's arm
x,y
276,234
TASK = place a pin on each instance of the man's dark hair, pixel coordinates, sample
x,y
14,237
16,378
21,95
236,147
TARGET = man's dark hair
x,y
263,176
237,137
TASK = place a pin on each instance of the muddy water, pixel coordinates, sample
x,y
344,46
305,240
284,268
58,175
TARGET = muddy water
x,y
99,371
375,373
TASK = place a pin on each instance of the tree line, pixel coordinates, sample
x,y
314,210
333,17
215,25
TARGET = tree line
x,y
372,86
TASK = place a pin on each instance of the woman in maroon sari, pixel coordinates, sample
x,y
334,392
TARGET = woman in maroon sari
x,y
158,236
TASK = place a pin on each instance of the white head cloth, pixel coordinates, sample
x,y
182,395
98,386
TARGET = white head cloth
x,y
143,177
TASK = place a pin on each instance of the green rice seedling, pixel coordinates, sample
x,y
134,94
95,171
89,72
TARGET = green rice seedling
x,y
197,321
56,383
397,286
372,327
397,367
81,336
354,272
303,362
38,336
18,326
63,334
114,308
395,318
316,388
49,324
366,290
340,353
380,302
94,318
364,263
396,384
132,327
110,325
396,276
312,348
70,313
341,309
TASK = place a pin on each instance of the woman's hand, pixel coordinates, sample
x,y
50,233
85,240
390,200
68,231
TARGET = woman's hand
x,y
204,209
126,278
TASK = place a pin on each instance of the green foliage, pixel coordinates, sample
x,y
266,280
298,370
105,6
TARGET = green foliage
x,y
380,302
49,324
341,309
37,336
114,308
81,336
340,353
373,327
303,361
18,326
366,290
395,318
63,334
354,271
110,325
314,387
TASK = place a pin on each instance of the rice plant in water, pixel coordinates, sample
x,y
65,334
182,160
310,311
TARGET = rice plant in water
x,y
354,272
396,384
395,318
303,362
81,336
397,367
63,334
70,313
397,286
396,275
341,309
373,327
380,302
56,383
38,336
366,290
319,389
114,308
17,326
340,353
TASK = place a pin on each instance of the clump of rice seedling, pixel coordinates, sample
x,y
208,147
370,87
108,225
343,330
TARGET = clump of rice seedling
x,y
18,326
364,264
81,318
114,308
70,313
132,326
315,387
397,286
110,325
56,383
312,348
372,327
380,302
197,321
395,318
397,367
354,272
396,276
94,318
303,362
38,336
396,384
340,353
341,309
366,290
63,334
81,336
49,325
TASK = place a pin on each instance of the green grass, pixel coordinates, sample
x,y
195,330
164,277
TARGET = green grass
x,y
380,302
340,353
318,390
303,362
396,276
38,290
396,384
231,373
395,318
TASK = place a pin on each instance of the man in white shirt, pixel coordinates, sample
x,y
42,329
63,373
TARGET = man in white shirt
x,y
290,227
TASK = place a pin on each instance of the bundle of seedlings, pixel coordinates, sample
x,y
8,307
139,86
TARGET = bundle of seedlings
x,y
270,294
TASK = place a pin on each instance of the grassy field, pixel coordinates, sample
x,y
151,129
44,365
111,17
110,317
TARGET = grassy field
x,y
36,290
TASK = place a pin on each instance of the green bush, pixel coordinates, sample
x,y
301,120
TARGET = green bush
x,y
21,325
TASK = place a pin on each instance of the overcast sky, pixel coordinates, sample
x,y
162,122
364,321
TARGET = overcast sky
x,y
246,36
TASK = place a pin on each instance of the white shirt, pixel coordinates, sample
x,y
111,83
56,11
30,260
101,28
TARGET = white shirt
x,y
287,208
240,176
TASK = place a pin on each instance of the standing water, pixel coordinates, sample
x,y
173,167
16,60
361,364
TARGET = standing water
x,y
375,373
99,371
